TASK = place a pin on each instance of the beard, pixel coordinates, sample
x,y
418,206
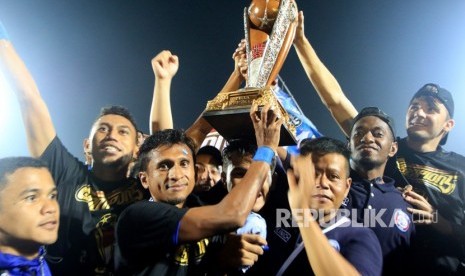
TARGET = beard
x,y
175,201
367,162
116,164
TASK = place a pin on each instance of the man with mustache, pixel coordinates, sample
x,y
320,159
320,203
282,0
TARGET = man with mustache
x,y
169,234
436,175
319,181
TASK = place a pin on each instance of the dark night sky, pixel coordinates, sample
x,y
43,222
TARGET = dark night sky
x,y
91,53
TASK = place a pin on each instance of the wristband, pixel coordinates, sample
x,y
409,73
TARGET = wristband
x,y
264,153
3,34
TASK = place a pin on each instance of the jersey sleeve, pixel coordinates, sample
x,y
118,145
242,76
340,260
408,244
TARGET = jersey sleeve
x,y
62,164
363,251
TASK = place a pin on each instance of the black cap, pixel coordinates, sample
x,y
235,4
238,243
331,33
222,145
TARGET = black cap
x,y
213,151
443,95
375,111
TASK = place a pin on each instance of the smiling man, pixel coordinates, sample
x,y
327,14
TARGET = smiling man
x,y
90,200
170,234
29,215
436,175
373,197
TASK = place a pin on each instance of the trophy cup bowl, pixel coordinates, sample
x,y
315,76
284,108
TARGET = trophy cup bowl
x,y
262,14
269,27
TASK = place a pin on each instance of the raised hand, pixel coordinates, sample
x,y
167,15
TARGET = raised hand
x,y
165,65
299,31
241,250
301,179
267,126
240,60
423,212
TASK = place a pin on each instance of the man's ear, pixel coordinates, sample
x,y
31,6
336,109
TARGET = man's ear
x,y
449,125
86,145
348,184
144,180
135,153
393,149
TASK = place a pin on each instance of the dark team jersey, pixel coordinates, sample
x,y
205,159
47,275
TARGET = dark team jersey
x,y
439,176
380,206
147,243
89,209
358,245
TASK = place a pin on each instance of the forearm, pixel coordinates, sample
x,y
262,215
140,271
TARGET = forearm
x,y
36,117
199,130
160,114
241,199
323,258
233,83
230,213
326,85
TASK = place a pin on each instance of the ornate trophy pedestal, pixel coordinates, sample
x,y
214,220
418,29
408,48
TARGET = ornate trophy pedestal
x,y
228,113
269,27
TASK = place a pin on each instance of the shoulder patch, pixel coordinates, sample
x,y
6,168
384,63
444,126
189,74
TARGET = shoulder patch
x,y
401,220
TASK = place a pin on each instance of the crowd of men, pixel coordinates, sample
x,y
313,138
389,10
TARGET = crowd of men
x,y
160,204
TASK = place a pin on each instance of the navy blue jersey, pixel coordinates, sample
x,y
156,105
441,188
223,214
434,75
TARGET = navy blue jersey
x,y
377,204
358,245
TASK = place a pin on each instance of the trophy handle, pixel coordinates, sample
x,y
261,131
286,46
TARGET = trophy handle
x,y
266,52
283,53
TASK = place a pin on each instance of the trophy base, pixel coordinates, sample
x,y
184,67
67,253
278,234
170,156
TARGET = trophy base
x,y
228,113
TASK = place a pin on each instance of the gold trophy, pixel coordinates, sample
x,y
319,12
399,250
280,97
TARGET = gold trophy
x,y
269,27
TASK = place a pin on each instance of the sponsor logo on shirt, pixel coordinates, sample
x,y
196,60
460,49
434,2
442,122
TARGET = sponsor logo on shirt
x,y
104,229
440,180
97,200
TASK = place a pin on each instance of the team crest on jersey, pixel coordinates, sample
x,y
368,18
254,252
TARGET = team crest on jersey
x,y
401,220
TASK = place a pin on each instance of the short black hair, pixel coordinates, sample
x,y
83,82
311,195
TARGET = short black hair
x,y
376,112
241,146
118,110
9,165
160,138
325,145
213,152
